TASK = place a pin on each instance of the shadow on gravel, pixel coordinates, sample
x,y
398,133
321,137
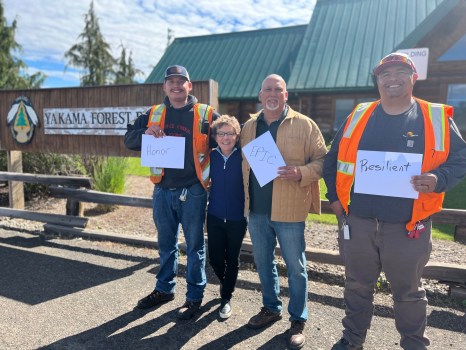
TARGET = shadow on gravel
x,y
113,335
50,277
242,333
23,271
448,321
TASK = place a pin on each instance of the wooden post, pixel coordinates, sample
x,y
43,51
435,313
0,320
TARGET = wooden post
x,y
74,207
15,188
460,234
457,292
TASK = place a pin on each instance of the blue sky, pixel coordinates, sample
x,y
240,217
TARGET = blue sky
x,y
46,29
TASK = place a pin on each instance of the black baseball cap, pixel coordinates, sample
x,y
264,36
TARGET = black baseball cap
x,y
176,70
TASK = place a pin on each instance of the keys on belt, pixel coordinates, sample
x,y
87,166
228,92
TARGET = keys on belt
x,y
418,229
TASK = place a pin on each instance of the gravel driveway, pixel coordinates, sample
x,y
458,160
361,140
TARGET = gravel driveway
x,y
78,294
58,293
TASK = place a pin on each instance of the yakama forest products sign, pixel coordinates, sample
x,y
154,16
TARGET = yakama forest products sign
x,y
90,121
22,120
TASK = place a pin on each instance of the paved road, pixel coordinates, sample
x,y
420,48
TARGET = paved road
x,y
78,294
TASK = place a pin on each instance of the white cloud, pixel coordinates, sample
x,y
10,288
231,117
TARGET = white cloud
x,y
47,29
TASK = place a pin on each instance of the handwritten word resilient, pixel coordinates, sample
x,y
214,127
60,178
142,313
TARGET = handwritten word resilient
x,y
385,166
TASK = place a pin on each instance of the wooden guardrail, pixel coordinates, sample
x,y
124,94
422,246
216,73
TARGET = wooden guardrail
x,y
90,196
73,207
65,220
72,181
455,275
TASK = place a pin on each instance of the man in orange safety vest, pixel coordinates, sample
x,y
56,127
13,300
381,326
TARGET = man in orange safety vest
x,y
383,210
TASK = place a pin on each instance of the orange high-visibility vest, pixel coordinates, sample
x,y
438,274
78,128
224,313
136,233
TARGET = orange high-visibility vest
x,y
436,150
201,148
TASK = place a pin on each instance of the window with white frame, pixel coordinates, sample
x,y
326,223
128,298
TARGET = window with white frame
x,y
343,107
457,99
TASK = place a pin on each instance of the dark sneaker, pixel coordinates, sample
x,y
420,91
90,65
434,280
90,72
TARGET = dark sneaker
x,y
188,310
296,332
225,309
264,318
344,344
155,298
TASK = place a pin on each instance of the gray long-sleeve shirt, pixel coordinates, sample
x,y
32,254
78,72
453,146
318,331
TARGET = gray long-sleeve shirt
x,y
390,133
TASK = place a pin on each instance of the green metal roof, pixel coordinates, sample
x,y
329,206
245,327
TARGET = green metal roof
x,y
238,61
346,38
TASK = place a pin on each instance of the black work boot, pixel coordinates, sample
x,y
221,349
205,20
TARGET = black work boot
x,y
344,344
188,310
155,298
264,318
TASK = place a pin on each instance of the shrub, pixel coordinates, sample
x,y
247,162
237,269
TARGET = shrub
x,y
108,174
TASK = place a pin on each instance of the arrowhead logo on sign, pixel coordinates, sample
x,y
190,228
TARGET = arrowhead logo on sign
x,y
22,120
420,57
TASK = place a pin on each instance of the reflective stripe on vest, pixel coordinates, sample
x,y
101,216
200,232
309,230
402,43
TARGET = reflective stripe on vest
x,y
202,111
345,167
356,117
348,167
437,116
156,115
155,118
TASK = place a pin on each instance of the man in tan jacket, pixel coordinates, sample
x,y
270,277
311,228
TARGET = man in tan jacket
x,y
278,210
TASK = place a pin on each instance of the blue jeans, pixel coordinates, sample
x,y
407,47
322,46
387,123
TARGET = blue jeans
x,y
264,234
169,212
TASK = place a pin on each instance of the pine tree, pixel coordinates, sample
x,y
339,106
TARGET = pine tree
x,y
92,54
126,72
12,69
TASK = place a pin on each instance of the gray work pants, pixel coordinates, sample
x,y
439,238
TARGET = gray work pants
x,y
376,246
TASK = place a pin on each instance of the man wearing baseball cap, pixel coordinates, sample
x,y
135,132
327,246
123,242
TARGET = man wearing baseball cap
x,y
180,195
387,230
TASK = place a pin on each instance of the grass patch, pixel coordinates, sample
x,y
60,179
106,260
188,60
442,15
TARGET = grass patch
x,y
134,167
442,231
328,219
454,199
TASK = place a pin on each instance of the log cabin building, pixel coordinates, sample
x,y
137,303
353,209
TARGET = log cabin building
x,y
328,63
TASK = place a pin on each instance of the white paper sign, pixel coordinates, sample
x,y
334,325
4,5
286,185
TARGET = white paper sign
x,y
162,152
387,173
264,158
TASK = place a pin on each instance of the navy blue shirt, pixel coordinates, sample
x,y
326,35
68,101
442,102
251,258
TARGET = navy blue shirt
x,y
226,198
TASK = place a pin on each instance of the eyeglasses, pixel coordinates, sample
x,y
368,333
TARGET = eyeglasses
x,y
223,134
399,74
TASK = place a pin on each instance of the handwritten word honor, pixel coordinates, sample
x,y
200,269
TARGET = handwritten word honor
x,y
157,151
262,155
385,166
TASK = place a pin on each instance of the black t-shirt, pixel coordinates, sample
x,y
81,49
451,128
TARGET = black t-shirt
x,y
389,133
179,122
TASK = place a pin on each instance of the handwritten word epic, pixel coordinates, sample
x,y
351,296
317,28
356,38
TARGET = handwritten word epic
x,y
262,154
